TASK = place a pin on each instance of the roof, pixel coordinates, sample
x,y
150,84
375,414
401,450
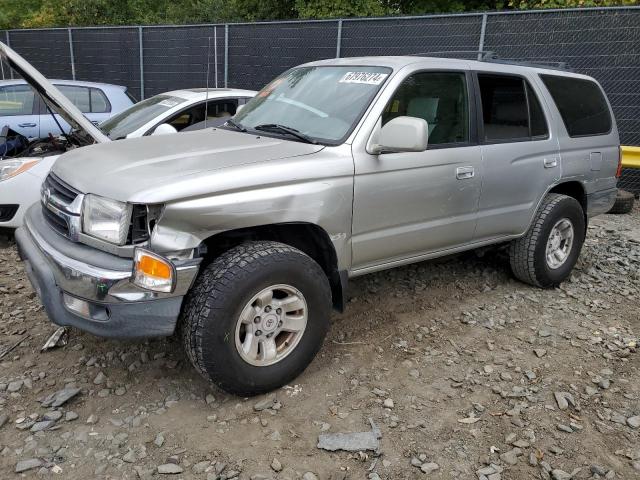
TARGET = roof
x,y
195,94
78,83
398,62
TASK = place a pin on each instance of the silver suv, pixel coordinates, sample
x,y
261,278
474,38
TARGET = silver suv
x,y
243,237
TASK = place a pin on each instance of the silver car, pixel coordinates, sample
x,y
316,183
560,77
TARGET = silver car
x,y
24,111
243,237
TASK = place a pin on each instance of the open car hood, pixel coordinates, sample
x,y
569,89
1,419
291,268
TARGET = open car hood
x,y
56,100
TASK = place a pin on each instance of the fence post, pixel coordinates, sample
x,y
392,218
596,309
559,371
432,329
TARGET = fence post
x,y
71,56
215,55
141,63
483,30
226,55
339,39
9,45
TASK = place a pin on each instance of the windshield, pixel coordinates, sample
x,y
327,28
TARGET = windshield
x,y
323,103
134,117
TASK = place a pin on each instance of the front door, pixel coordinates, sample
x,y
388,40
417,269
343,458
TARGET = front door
x,y
414,203
18,110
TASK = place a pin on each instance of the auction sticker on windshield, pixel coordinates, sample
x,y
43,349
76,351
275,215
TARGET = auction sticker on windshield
x,y
369,78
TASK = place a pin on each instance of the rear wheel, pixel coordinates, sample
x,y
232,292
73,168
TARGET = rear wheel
x,y
256,317
546,254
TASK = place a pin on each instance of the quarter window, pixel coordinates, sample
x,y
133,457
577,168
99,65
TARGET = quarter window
x,y
16,100
581,103
439,98
99,102
511,110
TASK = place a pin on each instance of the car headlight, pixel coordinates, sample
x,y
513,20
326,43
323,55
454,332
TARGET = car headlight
x,y
106,219
15,166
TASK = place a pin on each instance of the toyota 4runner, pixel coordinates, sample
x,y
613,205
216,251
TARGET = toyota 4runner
x,y
243,237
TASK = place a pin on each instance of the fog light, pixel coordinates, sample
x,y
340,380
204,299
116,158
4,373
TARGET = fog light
x,y
76,305
153,272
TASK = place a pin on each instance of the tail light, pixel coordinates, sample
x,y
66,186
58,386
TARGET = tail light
x,y
619,170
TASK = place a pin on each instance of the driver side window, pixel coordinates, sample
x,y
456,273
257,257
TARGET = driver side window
x,y
438,97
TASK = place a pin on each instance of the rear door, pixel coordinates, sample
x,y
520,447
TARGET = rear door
x,y
18,109
589,143
519,153
91,101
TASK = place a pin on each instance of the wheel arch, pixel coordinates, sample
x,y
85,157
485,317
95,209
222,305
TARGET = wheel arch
x,y
574,189
306,237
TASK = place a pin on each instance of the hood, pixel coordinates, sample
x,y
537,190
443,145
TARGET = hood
x,y
56,100
144,169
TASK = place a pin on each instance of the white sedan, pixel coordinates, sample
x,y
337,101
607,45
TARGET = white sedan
x,y
23,171
180,110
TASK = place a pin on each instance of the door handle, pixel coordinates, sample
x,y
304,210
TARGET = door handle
x,y
464,173
551,162
26,125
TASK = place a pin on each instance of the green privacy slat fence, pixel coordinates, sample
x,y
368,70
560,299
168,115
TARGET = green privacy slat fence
x,y
601,42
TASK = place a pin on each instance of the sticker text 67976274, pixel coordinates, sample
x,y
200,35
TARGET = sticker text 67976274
x,y
369,78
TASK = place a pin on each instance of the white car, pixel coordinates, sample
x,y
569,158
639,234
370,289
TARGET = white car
x,y
22,174
177,111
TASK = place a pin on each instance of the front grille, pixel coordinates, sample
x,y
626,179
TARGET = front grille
x,y
58,224
60,189
64,196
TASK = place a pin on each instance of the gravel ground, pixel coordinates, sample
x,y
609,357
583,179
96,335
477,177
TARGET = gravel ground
x,y
466,372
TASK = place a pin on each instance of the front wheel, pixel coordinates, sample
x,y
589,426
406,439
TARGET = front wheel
x,y
256,317
546,254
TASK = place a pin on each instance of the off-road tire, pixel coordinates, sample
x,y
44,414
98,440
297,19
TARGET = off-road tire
x,y
624,202
528,254
222,289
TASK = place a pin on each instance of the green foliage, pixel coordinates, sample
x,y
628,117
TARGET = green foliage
x,y
341,8
47,13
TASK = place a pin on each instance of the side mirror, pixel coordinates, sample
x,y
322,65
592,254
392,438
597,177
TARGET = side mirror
x,y
164,129
403,134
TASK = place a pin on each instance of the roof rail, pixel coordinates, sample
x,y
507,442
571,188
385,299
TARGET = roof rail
x,y
481,54
537,64
490,56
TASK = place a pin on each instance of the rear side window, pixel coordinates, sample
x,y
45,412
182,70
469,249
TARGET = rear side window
x,y
511,110
87,99
79,96
582,105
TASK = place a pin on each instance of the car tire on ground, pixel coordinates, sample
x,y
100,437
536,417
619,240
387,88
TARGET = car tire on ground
x,y
624,202
546,254
256,317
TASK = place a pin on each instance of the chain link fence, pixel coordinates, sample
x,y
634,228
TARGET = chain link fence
x,y
601,42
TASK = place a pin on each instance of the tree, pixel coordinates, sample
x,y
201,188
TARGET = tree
x,y
341,8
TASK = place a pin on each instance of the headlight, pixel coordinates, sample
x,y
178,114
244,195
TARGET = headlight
x,y
106,219
12,167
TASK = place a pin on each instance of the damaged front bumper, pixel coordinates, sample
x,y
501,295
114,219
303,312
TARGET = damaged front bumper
x,y
86,288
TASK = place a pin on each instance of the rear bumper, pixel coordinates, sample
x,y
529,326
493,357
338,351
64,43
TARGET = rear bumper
x,y
65,274
601,201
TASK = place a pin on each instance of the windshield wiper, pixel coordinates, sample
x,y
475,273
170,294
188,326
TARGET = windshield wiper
x,y
236,125
276,127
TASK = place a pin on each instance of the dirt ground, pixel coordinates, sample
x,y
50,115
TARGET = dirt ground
x,y
467,373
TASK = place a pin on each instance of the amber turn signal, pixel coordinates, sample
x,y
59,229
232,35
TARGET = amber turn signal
x,y
153,272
